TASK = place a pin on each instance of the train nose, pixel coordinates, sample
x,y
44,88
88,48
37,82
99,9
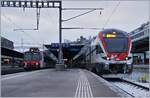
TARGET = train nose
x,y
113,57
116,57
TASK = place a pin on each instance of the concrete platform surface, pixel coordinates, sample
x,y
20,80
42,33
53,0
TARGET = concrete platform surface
x,y
52,83
11,69
143,66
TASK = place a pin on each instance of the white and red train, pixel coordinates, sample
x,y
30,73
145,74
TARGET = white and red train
x,y
32,59
110,51
36,59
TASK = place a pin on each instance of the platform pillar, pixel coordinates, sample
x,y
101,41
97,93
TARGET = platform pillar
x,y
60,67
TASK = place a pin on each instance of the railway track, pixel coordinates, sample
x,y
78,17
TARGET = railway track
x,y
132,89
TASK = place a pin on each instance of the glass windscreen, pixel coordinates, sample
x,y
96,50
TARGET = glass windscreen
x,y
36,56
28,56
32,56
116,44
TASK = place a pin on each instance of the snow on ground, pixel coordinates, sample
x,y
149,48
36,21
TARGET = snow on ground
x,y
133,90
147,84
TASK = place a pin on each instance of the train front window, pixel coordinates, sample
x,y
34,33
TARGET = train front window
x,y
36,56
116,44
27,56
32,56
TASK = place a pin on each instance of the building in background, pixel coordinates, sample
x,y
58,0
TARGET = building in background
x,y
140,44
5,43
8,55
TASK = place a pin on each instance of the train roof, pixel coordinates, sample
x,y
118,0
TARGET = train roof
x,y
117,31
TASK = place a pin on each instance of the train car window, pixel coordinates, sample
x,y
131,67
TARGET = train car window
x,y
98,49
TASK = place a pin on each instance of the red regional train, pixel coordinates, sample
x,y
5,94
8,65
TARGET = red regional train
x,y
32,59
110,52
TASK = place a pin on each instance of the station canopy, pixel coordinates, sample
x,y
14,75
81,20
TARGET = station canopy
x,y
140,45
69,50
11,53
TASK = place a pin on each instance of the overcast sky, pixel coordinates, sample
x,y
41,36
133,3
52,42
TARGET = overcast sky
x,y
128,16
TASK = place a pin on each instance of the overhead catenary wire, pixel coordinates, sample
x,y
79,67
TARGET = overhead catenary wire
x,y
38,10
29,43
18,47
82,28
113,11
78,15
10,20
82,8
90,10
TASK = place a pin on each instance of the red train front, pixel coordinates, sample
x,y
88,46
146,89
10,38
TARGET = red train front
x,y
110,51
32,59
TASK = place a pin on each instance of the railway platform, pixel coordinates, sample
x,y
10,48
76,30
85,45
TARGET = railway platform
x,y
9,69
52,83
142,66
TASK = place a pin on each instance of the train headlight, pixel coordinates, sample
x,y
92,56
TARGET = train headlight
x,y
36,63
25,63
126,58
108,58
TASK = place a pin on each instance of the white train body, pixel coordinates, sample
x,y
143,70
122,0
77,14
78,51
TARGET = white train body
x,y
110,51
